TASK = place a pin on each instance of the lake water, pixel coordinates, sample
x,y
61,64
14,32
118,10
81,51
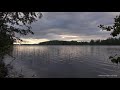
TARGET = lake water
x,y
64,61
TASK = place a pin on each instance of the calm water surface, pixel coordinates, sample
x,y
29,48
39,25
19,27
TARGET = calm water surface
x,y
64,61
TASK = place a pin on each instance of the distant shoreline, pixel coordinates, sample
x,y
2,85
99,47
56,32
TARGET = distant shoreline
x,y
109,41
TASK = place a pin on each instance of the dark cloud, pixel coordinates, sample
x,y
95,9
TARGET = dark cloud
x,y
84,25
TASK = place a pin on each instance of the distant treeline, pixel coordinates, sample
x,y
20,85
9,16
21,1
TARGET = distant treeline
x,y
109,41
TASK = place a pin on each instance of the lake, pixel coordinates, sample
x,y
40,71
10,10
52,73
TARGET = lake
x,y
64,61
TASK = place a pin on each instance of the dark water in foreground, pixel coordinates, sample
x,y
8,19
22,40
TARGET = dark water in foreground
x,y
64,61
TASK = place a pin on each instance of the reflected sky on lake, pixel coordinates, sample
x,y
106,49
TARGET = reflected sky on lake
x,y
64,61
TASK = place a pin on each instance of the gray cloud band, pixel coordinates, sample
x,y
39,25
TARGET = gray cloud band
x,y
83,25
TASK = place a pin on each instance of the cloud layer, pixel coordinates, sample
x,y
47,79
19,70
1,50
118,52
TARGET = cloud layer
x,y
71,26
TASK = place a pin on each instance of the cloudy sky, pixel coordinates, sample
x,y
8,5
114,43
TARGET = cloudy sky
x,y
80,26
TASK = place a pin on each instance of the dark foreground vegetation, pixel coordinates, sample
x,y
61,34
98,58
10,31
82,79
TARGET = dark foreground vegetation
x,y
6,50
10,24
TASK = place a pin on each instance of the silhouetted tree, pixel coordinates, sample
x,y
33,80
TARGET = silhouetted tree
x,y
92,42
115,28
16,22
10,24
